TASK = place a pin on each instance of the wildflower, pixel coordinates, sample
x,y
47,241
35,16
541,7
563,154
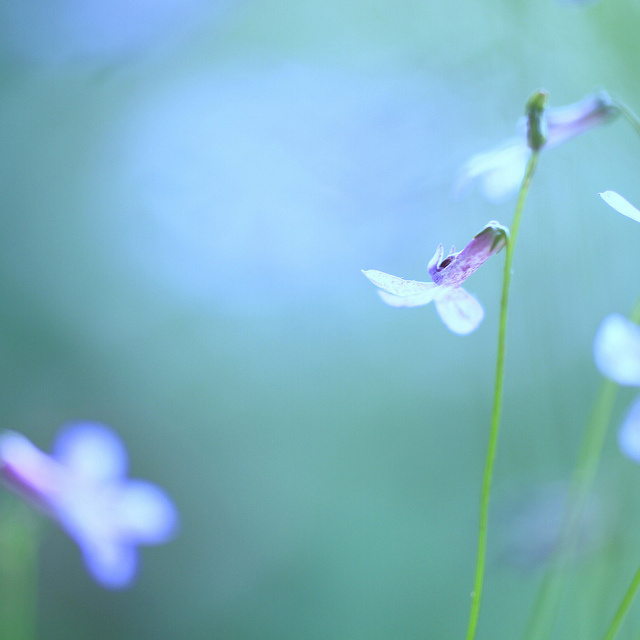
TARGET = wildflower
x,y
501,169
617,354
459,310
83,487
621,205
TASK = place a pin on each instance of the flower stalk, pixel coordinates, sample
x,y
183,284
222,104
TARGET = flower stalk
x,y
536,137
497,403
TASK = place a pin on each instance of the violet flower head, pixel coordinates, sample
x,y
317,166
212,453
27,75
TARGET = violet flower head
x,y
83,487
616,350
501,169
457,308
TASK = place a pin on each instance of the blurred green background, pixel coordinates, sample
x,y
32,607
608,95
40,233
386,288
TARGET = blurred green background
x,y
189,190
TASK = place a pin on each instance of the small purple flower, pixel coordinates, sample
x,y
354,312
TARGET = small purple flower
x,y
501,169
459,310
617,354
617,202
83,486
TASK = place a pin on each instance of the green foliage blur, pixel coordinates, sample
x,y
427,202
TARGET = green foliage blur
x,y
184,220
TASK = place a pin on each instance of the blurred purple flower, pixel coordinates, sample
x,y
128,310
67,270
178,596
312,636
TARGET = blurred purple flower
x,y
617,354
84,488
459,310
501,169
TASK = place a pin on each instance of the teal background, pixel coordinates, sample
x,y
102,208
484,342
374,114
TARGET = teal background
x,y
185,213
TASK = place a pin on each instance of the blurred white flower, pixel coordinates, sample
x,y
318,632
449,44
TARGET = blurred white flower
x,y
617,354
459,310
83,487
501,169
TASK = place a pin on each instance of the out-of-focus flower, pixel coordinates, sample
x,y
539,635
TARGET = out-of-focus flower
x,y
541,522
84,488
501,169
459,310
617,354
621,205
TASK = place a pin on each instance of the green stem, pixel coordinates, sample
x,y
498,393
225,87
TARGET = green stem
x,y
476,595
18,574
635,583
623,608
548,598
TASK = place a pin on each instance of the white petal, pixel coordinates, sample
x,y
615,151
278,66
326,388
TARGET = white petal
x,y
110,562
629,435
499,170
621,205
91,450
460,311
404,302
616,349
398,286
146,514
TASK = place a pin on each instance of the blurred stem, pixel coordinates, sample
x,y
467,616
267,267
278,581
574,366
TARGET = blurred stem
x,y
548,598
476,595
635,583
628,114
18,574
623,608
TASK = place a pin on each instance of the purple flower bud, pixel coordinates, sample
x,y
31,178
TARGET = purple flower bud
x,y
564,123
501,170
453,270
84,488
457,308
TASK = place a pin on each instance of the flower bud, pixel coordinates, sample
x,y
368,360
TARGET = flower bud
x,y
536,120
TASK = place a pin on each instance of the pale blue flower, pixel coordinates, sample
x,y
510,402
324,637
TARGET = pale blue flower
x,y
501,169
617,202
617,355
459,310
83,486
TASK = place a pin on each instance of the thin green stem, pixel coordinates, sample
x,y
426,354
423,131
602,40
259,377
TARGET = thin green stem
x,y
18,574
476,595
548,598
635,583
623,608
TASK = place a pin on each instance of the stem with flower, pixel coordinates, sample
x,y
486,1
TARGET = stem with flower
x,y
536,137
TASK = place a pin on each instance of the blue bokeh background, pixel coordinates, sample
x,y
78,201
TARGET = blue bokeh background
x,y
189,190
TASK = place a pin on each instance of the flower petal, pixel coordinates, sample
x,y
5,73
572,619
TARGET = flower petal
x,y
27,470
91,450
460,311
397,286
456,268
621,205
499,170
111,563
629,434
404,302
146,514
616,350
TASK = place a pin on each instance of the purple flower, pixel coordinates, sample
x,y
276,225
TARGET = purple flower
x,y
616,201
459,310
83,486
617,354
501,169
